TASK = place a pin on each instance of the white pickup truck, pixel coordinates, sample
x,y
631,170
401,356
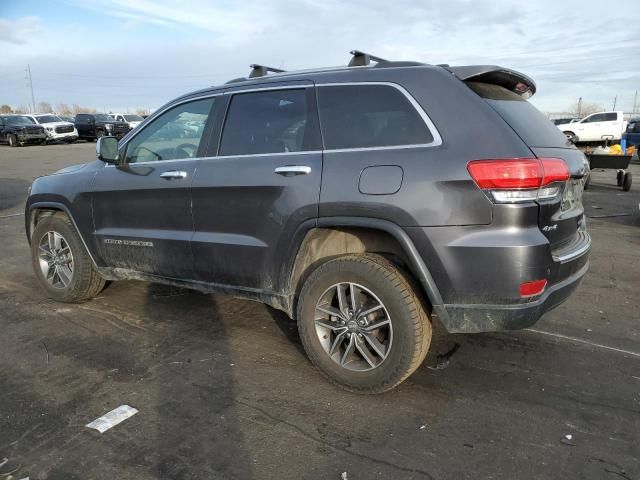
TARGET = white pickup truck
x,y
596,127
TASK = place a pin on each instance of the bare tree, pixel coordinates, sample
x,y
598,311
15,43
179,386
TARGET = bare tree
x,y
63,109
5,109
44,107
21,109
582,108
78,109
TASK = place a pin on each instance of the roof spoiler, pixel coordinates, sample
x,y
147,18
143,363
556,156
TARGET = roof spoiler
x,y
510,79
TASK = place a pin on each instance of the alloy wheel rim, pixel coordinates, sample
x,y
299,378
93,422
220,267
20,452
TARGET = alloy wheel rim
x,y
353,326
55,259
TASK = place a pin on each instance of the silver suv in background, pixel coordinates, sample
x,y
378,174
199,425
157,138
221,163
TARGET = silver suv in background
x,y
57,130
132,119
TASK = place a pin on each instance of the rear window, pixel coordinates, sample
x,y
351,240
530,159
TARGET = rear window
x,y
366,116
525,119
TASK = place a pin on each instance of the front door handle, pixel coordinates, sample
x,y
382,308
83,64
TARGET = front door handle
x,y
291,170
172,174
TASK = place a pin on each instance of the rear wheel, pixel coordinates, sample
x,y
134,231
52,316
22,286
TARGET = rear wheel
x,y
362,323
99,134
61,262
13,140
626,182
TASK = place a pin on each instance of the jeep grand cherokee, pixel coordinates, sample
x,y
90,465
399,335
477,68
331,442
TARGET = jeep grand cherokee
x,y
363,201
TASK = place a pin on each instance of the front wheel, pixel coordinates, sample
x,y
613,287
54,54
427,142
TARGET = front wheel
x,y
61,262
13,140
362,323
626,181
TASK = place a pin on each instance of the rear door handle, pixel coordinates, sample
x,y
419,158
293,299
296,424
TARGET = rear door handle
x,y
291,170
172,174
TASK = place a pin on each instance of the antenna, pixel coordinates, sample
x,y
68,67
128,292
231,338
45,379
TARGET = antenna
x,y
262,70
361,59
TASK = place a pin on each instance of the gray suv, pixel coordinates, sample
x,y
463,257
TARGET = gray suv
x,y
363,201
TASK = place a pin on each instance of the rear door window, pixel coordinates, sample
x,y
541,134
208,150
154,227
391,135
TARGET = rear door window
x,y
526,120
272,121
369,116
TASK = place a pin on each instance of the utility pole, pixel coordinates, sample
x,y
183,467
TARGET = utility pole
x,y
33,101
635,100
580,107
615,100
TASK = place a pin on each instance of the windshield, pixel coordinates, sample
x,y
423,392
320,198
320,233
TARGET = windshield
x,y
103,117
19,121
48,119
133,118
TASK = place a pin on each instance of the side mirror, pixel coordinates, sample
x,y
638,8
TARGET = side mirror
x,y
107,149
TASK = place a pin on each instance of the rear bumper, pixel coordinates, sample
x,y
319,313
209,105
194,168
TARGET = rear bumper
x,y
490,318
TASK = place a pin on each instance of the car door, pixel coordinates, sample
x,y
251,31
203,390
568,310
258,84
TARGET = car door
x,y
592,128
265,181
82,124
142,205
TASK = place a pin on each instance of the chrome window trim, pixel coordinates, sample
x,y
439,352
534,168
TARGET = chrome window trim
x,y
437,139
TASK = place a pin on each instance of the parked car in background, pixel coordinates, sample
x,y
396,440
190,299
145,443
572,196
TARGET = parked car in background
x,y
339,196
57,130
130,118
597,127
562,121
92,126
18,130
631,136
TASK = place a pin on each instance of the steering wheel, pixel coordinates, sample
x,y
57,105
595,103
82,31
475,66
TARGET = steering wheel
x,y
188,148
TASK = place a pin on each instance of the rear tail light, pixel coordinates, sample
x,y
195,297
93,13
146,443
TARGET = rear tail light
x,y
515,180
531,289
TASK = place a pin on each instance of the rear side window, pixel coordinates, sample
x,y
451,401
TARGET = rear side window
x,y
367,116
274,121
525,119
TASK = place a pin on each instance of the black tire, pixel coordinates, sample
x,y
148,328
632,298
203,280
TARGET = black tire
x,y
587,182
99,134
85,282
571,137
411,334
626,182
13,140
619,177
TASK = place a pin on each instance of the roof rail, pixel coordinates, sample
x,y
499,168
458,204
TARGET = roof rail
x,y
361,59
262,70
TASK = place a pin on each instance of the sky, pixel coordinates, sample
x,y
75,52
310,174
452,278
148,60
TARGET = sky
x,y
122,55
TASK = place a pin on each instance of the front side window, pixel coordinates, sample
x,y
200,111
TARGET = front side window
x,y
366,116
274,121
599,117
174,135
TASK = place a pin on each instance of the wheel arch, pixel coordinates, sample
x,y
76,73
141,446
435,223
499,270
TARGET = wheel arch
x,y
334,236
40,210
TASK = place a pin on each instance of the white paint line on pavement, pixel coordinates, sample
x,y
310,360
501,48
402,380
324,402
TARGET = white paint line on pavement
x,y
586,342
113,418
12,215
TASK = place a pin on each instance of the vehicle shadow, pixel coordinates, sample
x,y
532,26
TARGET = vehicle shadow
x,y
191,412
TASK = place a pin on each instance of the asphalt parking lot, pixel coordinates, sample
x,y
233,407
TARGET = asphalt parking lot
x,y
225,391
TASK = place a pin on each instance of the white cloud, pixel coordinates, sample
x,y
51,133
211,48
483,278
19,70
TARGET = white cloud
x,y
18,31
161,48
